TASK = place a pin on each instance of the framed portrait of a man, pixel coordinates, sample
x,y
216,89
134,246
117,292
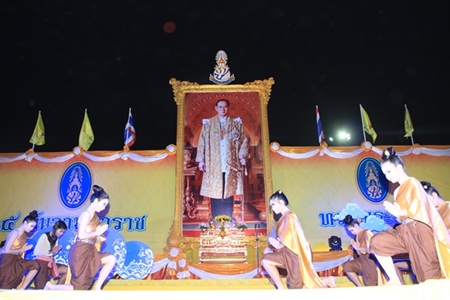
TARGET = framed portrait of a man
x,y
223,161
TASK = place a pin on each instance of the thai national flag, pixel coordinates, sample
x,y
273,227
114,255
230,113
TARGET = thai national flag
x,y
129,135
320,133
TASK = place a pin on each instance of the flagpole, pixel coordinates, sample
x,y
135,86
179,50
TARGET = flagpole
x,y
34,141
362,123
317,125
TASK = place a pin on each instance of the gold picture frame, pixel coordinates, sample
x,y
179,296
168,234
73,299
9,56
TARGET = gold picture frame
x,y
195,102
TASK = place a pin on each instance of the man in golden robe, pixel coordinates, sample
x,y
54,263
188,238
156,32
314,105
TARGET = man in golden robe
x,y
221,155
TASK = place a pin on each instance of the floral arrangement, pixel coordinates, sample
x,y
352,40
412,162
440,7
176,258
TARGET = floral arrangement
x,y
241,226
203,225
222,218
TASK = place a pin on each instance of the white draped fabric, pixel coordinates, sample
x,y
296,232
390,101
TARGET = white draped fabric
x,y
96,156
290,152
319,266
348,152
206,275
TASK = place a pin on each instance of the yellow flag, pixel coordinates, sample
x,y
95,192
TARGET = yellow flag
x,y
367,124
86,134
409,128
38,136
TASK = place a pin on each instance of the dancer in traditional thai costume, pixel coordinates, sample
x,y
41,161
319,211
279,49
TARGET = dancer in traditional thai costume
x,y
44,251
422,234
293,251
442,206
85,259
362,264
363,227
12,263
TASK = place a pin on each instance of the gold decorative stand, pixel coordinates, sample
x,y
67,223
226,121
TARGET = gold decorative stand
x,y
219,248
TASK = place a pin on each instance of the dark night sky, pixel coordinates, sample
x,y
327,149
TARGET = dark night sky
x,y
61,57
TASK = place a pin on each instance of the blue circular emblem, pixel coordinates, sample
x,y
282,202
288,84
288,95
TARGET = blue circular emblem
x,y
75,185
371,181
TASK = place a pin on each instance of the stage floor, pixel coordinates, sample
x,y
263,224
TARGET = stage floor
x,y
214,284
433,289
237,289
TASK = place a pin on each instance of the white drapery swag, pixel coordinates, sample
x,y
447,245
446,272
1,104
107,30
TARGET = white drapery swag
x,y
349,152
96,156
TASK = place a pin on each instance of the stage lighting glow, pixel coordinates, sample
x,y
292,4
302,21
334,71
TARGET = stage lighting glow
x,y
344,135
